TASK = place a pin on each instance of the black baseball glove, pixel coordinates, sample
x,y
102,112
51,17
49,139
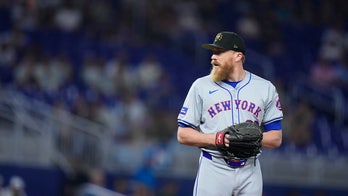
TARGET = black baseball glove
x,y
244,140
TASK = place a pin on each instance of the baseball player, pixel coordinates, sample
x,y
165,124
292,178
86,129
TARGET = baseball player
x,y
228,96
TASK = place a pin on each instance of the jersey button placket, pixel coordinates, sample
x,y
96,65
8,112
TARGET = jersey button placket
x,y
233,105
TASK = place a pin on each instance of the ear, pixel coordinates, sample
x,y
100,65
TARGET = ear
x,y
239,56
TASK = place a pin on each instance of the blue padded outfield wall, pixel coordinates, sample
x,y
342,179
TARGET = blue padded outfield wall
x,y
51,182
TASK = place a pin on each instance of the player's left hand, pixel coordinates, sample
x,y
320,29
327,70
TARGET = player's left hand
x,y
241,140
222,140
227,141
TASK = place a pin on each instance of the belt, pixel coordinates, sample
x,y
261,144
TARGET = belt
x,y
232,162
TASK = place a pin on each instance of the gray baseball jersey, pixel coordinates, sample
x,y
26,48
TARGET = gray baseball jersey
x,y
212,106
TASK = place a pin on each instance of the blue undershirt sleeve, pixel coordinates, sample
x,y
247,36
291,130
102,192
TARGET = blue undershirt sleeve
x,y
276,125
182,125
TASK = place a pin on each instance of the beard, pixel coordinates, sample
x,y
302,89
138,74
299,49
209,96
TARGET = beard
x,y
219,73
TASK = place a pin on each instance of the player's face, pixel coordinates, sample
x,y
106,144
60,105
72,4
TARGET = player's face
x,y
221,65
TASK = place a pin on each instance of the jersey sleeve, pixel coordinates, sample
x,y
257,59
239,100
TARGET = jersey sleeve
x,y
273,111
190,113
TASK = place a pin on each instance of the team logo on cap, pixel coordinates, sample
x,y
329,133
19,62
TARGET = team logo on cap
x,y
218,37
235,46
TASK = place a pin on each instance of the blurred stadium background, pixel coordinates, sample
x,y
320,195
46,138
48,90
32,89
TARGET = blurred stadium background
x,y
90,92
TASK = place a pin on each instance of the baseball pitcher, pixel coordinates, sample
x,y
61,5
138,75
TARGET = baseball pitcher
x,y
230,114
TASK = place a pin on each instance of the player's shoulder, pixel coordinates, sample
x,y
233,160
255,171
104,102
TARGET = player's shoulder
x,y
204,80
260,80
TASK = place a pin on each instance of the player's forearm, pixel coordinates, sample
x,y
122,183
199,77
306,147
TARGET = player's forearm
x,y
272,139
192,137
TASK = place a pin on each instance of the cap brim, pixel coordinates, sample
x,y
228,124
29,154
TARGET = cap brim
x,y
211,46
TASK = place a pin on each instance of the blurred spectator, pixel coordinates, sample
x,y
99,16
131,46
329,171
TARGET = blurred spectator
x,y
12,43
332,42
322,73
16,187
283,10
149,72
52,73
121,185
169,189
24,15
163,125
68,17
61,71
341,70
114,118
97,177
163,95
135,115
96,185
95,110
80,106
7,60
187,16
299,124
100,17
145,182
92,73
63,135
7,54
121,72
248,27
24,76
41,72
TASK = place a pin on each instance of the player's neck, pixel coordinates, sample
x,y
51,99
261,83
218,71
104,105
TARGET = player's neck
x,y
236,75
